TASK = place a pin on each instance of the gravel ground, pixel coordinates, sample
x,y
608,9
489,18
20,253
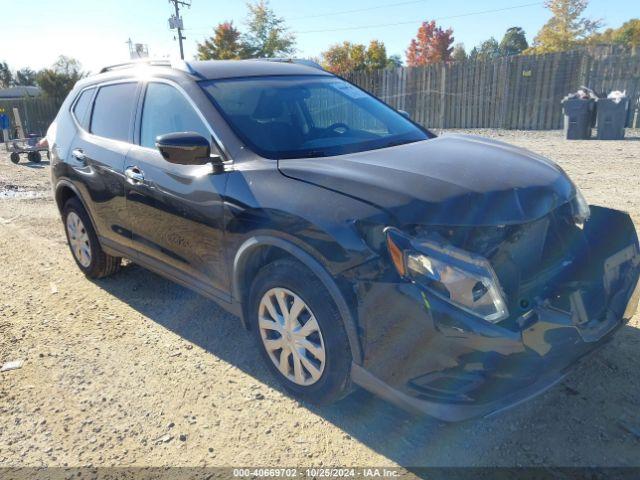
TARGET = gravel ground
x,y
135,370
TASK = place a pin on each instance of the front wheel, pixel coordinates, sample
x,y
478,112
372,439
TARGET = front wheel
x,y
15,157
300,332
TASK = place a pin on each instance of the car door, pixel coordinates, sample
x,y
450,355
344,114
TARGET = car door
x,y
97,155
176,211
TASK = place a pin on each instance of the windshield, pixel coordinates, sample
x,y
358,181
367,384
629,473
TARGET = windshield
x,y
308,116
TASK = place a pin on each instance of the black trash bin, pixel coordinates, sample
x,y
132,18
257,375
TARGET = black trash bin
x,y
612,118
578,117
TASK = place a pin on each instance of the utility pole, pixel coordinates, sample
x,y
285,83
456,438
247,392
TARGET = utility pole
x,y
175,22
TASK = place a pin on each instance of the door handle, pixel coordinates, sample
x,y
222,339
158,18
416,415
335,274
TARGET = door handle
x,y
134,175
79,155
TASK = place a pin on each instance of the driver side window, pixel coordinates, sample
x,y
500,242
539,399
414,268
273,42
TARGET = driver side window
x,y
328,107
166,110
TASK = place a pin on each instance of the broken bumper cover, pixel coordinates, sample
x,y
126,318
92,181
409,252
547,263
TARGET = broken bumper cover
x,y
437,360
444,411
455,412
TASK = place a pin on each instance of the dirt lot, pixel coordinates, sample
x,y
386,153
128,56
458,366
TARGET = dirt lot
x,y
134,370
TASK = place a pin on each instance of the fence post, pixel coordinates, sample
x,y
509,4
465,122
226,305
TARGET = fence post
x,y
505,92
443,86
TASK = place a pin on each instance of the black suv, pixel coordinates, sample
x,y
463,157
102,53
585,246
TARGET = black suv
x,y
452,275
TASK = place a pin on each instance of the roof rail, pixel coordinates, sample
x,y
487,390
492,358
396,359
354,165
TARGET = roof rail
x,y
134,63
301,61
162,62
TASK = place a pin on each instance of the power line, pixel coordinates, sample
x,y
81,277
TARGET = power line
x,y
341,12
357,10
394,24
409,22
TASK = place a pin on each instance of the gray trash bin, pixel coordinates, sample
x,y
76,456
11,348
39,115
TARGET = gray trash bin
x,y
612,118
578,117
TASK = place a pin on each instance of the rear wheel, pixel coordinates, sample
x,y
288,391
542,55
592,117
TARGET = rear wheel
x,y
300,332
84,244
34,157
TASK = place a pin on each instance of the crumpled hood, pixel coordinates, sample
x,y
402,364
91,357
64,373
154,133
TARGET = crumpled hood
x,y
450,180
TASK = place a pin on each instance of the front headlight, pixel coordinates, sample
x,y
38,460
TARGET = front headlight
x,y
463,279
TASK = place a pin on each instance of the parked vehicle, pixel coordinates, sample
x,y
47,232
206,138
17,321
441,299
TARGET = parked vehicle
x,y
452,275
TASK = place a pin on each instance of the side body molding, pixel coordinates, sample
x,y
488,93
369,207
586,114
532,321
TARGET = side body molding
x,y
244,253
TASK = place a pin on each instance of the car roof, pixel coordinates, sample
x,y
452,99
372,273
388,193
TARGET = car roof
x,y
205,69
217,69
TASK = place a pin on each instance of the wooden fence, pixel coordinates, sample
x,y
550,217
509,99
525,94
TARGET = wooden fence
x,y
36,113
520,92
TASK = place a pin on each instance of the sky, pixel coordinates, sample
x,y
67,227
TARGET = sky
x,y
96,31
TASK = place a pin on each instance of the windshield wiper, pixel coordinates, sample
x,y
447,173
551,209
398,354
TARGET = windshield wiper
x,y
314,153
395,143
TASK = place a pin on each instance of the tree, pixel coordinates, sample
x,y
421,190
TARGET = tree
x,y
376,56
394,61
6,77
25,76
268,35
487,50
431,45
628,35
459,53
225,44
57,81
601,38
345,57
566,29
514,42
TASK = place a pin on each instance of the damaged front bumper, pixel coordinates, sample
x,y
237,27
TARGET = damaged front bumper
x,y
427,356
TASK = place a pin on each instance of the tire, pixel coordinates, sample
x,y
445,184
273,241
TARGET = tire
x,y
15,157
290,276
35,157
97,264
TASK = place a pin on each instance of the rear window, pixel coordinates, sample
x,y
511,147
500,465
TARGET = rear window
x,y
81,107
112,111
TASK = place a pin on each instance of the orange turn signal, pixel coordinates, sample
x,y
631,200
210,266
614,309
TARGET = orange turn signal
x,y
397,256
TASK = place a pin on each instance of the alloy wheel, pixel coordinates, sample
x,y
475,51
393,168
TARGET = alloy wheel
x,y
78,239
291,336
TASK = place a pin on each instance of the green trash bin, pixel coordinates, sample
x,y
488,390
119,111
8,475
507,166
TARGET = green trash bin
x,y
612,118
578,117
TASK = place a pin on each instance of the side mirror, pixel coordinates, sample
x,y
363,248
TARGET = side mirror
x,y
186,148
405,114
